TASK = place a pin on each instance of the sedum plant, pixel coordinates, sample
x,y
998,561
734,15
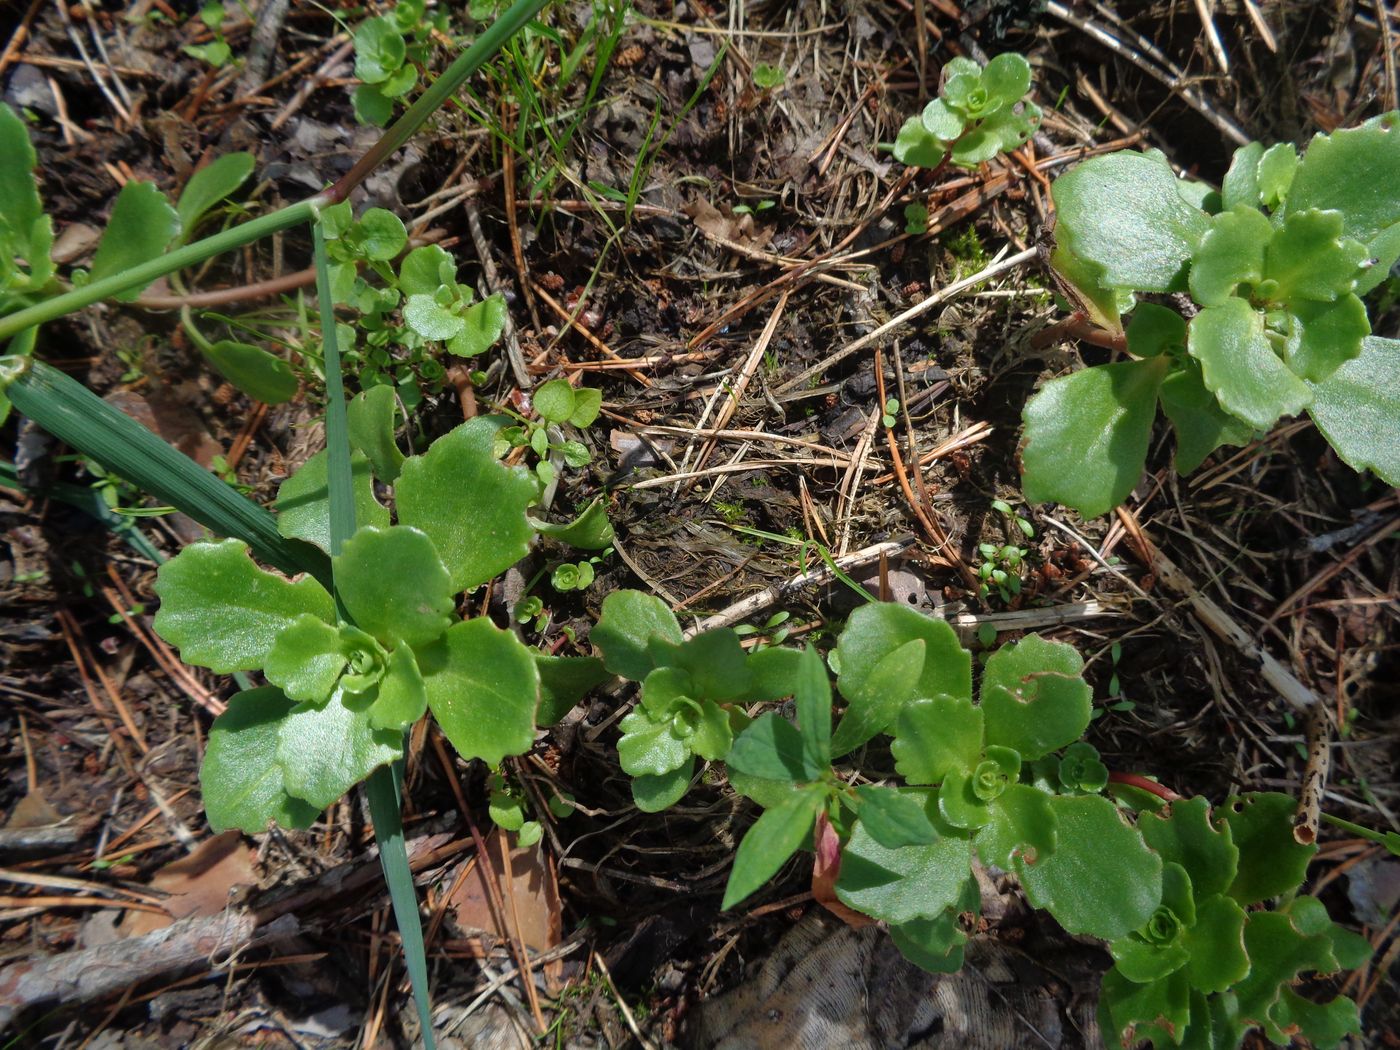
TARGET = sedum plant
x,y
979,112
1244,307
1199,906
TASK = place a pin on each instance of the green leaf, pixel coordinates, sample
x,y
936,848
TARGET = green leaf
x,y
1230,254
1132,1007
1278,954
587,404
966,797
394,585
241,779
1321,1024
1087,435
370,417
1122,214
379,50
306,659
1240,368
303,501
648,746
403,697
774,837
912,882
379,234
554,400
1241,184
223,612
471,506
936,737
425,270
652,793
894,818
1101,879
564,681
1022,824
1007,77
590,531
262,376
1216,945
483,689
1144,963
773,674
1201,425
1184,835
1277,168
716,662
772,748
1357,408
399,83
1352,172
371,106
1382,254
1033,697
506,811
629,621
1154,329
879,628
208,186
941,121
141,227
482,325
423,314
812,691
1309,258
326,749
1271,862
935,945
21,210
874,700
711,735
916,146
1079,284
1324,336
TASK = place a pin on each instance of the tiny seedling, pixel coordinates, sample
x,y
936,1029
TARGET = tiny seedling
x,y
979,112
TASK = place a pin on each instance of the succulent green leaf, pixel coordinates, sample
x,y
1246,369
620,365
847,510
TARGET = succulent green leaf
x,y
879,628
1216,945
1240,368
917,146
326,749
1122,213
241,779
936,737
630,620
471,506
653,793
1277,167
1154,329
1382,254
1357,408
223,612
941,121
1101,879
773,673
1241,184
812,692
1079,283
1321,1024
262,376
430,320
772,748
711,735
978,146
399,83
208,186
894,818
141,227
1033,697
1183,834
506,811
934,945
874,700
1201,425
1144,963
1271,862
665,690
1278,954
554,400
1081,770
483,689
424,270
1352,171
1136,1011
959,802
1231,253
306,659
1021,823
371,426
394,585
716,663
1007,77
590,531
371,106
564,681
912,882
1087,435
648,746
774,837
379,50
402,695
1324,336
482,325
1309,258
303,501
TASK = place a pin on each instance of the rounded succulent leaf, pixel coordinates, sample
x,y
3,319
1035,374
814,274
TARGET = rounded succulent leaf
x,y
242,779
1007,76
941,121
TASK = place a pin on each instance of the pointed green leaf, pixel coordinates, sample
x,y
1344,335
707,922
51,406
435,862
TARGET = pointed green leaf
x,y
306,659
812,692
1357,408
936,737
894,818
394,585
482,325
326,749
648,746
1033,697
141,227
564,681
1240,368
20,207
879,628
1101,879
912,882
483,689
241,779
774,837
259,374
1087,434
652,794
772,748
1271,862
1184,835
1022,824
590,531
402,698
1201,425
208,186
471,506
303,501
874,700
629,621
1352,171
370,416
1230,254
223,612
1216,945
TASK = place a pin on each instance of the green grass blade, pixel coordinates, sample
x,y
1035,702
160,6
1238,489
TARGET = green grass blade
x,y
91,503
342,498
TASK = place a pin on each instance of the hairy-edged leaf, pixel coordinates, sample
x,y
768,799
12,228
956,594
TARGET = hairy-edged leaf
x,y
141,227
916,146
554,400
1324,336
1241,183
629,621
483,689
304,502
471,505
306,659
874,700
430,320
812,692
1230,254
1278,954
588,402
21,210
717,665
1216,945
1101,879
879,628
1353,172
564,681
241,779
1239,366
370,416
482,325
590,531
1201,425
1122,213
326,749
1033,697
1184,835
223,612
424,270
934,945
1357,408
1309,258
1087,434
652,793
774,837
894,818
379,50
773,673
1022,824
394,585
262,376
771,748
402,697
913,882
208,186
1155,329
1271,861
1130,1008
935,737
648,746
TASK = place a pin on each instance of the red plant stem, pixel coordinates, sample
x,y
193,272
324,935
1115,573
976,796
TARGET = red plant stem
x,y
1142,783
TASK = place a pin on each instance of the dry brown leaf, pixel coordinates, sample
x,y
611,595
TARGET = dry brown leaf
x,y
740,230
199,884
32,811
827,870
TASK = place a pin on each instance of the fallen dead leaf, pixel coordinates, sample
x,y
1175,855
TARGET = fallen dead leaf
x,y
827,870
739,230
535,889
198,884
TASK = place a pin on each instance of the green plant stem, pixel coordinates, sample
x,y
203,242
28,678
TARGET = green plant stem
x,y
342,501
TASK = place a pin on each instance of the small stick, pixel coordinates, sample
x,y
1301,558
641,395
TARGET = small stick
x,y
1314,777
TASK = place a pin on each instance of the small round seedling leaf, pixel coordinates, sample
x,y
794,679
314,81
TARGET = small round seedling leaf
x,y
326,749
917,146
430,320
259,374
241,779
936,737
303,501
482,325
588,402
1154,329
1230,254
394,585
223,612
402,696
379,50
1007,76
371,106
941,121
629,621
1357,408
554,400
424,270
306,659
380,234
648,747
1240,368
141,227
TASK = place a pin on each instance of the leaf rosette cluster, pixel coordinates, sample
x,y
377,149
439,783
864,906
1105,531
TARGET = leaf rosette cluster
x,y
978,113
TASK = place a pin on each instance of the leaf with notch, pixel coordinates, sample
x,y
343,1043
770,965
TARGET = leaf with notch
x,y
483,688
1357,408
208,186
772,748
1184,835
304,505
1352,172
394,585
874,700
1022,824
141,227
426,269
1272,861
630,620
241,779
1033,697
326,749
